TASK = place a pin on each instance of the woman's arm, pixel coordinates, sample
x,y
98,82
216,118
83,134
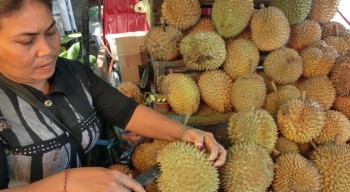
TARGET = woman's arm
x,y
150,123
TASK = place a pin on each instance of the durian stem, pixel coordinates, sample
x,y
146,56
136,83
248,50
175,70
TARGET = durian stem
x,y
303,96
274,87
313,145
336,30
186,119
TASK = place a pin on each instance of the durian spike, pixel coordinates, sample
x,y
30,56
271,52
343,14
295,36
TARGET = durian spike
x,y
262,6
252,108
186,119
303,96
275,153
337,140
292,60
313,145
271,167
274,87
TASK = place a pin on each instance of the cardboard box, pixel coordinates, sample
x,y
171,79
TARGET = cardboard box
x,y
126,49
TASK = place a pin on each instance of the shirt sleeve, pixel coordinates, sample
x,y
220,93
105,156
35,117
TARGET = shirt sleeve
x,y
111,105
4,179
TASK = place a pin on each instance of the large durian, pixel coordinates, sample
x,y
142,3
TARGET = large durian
x,y
300,121
248,92
319,89
316,62
254,126
248,168
181,14
182,93
270,29
284,146
203,50
242,58
131,90
231,17
185,168
294,172
283,66
295,10
332,162
342,104
204,24
304,33
163,43
215,90
336,128
340,77
323,11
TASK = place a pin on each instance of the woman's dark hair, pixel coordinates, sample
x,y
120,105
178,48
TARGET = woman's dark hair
x,y
8,7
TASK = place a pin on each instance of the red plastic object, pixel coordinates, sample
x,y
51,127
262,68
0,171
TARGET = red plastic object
x,y
119,17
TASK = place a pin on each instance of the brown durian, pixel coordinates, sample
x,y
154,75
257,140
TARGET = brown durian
x,y
131,90
340,77
304,33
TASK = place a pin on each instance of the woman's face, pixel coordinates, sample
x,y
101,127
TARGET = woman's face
x,y
29,44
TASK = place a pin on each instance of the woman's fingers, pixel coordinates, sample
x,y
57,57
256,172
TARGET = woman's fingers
x,y
128,182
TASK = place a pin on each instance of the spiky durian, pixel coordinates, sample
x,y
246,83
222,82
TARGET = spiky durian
x,y
122,168
230,17
304,33
339,43
143,157
323,11
342,104
131,90
325,48
316,62
215,90
181,14
319,89
182,93
337,126
248,92
163,43
248,168
254,126
300,121
340,77
331,161
242,58
270,29
281,95
204,24
283,65
203,50
332,28
284,146
295,173
267,80
176,159
245,34
295,10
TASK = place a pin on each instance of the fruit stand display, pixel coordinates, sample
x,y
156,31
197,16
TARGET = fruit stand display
x,y
273,74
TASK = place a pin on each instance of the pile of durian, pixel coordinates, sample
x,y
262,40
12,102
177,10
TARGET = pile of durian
x,y
283,71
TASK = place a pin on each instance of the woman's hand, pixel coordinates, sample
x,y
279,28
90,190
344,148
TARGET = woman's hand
x,y
205,140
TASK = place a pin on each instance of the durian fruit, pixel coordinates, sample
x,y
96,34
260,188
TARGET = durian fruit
x,y
122,168
248,168
181,14
328,50
332,162
248,92
339,43
323,11
267,80
270,29
215,90
294,172
316,62
163,43
143,157
340,77
342,104
284,146
182,93
185,168
295,10
231,17
245,34
254,126
332,28
305,149
204,24
242,58
203,50
131,90
304,33
337,126
319,89
281,95
152,187
300,121
283,66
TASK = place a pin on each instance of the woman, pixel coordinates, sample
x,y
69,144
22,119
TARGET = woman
x,y
49,108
